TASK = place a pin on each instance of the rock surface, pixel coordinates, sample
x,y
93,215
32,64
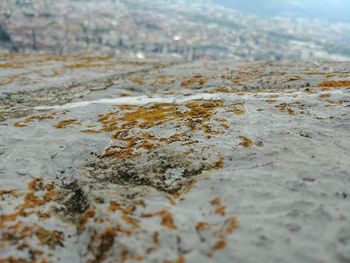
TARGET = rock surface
x,y
123,161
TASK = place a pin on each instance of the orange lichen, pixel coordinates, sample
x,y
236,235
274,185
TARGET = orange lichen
x,y
216,201
221,244
164,80
245,142
18,233
8,193
111,152
167,219
285,107
138,81
325,96
155,237
13,65
231,225
333,104
35,185
114,206
148,117
66,123
293,108
40,117
13,260
84,65
89,131
202,226
329,85
194,115
88,62
271,101
109,122
178,260
101,243
90,213
50,238
238,108
220,210
7,218
189,82
131,221
31,201
220,163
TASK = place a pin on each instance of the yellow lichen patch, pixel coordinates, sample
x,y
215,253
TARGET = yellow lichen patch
x,y
138,81
194,115
216,201
167,219
31,201
89,62
40,117
238,108
50,238
20,233
13,65
193,81
4,193
220,163
89,131
286,107
329,85
148,117
271,100
36,185
187,83
202,226
8,80
114,206
178,260
101,243
325,96
245,142
109,122
223,90
333,104
155,237
131,221
219,209
90,213
84,65
221,244
164,80
112,152
66,123
230,226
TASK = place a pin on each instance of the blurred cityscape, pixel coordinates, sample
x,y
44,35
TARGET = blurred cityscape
x,y
183,29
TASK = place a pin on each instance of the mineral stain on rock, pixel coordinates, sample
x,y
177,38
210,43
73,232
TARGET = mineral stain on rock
x,y
71,202
164,169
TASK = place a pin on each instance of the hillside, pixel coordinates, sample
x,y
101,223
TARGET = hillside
x,y
187,30
333,10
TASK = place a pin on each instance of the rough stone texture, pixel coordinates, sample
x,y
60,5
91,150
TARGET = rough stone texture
x,y
220,162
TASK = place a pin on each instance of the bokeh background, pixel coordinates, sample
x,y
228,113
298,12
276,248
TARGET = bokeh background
x,y
179,29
